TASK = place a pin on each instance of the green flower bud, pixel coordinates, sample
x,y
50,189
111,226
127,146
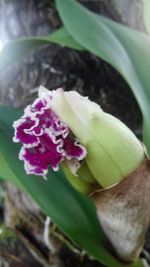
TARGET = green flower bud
x,y
113,151
83,181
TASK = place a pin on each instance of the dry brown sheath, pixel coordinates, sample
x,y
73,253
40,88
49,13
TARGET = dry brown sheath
x,y
124,212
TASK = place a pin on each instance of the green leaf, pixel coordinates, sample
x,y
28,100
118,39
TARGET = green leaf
x,y
123,48
73,213
7,174
5,171
146,16
137,264
14,50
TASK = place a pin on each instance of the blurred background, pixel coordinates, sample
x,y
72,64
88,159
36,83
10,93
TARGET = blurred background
x,y
22,224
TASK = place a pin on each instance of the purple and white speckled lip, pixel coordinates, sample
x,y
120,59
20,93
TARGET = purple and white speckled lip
x,y
46,140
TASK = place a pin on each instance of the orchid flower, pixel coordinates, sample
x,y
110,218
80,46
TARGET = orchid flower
x,y
46,140
99,155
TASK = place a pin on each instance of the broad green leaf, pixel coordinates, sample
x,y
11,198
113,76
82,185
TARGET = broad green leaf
x,y
125,49
5,171
146,16
72,212
7,174
14,50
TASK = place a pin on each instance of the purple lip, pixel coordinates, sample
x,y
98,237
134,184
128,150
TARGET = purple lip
x,y
46,140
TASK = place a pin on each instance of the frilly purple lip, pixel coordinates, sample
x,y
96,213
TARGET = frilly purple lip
x,y
46,140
